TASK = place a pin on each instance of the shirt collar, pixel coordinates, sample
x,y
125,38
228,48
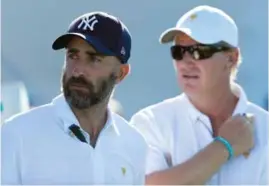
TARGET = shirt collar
x,y
67,117
240,108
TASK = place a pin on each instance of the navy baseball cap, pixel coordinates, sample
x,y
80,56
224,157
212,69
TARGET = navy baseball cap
x,y
106,33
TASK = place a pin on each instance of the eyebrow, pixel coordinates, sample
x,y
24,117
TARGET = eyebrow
x,y
89,53
72,50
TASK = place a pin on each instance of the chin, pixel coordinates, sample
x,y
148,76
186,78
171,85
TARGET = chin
x,y
190,89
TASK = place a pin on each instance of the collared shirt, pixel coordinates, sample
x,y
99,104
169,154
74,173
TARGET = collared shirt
x,y
38,148
175,130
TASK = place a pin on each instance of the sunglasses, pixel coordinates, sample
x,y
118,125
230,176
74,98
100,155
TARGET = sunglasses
x,y
198,51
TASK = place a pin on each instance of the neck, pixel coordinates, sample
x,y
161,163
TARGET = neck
x,y
218,105
93,119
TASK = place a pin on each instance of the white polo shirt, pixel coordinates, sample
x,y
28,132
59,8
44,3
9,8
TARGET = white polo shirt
x,y
176,131
38,148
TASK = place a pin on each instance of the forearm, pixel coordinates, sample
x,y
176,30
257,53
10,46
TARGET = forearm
x,y
195,171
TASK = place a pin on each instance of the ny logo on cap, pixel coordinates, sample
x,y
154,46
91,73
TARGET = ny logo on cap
x,y
87,22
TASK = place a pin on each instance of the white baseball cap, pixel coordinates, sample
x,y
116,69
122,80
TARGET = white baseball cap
x,y
206,25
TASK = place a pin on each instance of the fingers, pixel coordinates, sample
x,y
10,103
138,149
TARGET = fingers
x,y
246,154
249,120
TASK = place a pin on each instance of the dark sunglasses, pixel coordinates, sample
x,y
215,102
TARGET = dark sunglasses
x,y
198,51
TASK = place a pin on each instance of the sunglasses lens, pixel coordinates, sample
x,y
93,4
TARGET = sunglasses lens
x,y
176,52
203,53
196,55
198,52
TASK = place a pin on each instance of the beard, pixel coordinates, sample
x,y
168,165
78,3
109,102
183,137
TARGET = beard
x,y
94,95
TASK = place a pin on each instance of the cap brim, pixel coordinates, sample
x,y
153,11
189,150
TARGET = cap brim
x,y
63,40
169,34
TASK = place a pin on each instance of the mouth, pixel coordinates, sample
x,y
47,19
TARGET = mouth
x,y
78,86
190,76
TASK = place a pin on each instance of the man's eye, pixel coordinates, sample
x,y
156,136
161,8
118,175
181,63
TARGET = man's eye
x,y
94,58
72,56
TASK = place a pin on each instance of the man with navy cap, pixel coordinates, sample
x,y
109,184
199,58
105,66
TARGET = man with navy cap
x,y
76,139
210,134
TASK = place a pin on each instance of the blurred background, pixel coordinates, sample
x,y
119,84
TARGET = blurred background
x,y
31,70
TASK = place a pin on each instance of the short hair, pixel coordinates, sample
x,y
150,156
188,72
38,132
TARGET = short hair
x,y
236,67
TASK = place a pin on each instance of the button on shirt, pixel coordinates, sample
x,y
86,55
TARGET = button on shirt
x,y
38,148
175,130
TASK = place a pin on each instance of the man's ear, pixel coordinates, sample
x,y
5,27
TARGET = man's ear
x,y
233,57
123,72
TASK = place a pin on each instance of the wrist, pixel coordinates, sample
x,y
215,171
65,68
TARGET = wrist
x,y
221,150
227,146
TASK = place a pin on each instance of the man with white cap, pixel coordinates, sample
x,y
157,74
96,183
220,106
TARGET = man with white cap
x,y
210,134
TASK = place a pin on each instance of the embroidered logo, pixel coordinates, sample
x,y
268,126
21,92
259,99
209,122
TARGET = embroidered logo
x,y
88,23
123,170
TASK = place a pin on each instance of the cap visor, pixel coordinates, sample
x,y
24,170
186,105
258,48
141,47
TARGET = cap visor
x,y
62,42
169,35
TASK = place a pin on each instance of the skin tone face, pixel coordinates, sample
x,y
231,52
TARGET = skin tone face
x,y
202,76
89,77
87,83
207,82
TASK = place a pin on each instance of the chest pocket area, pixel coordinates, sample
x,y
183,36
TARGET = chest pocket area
x,y
119,169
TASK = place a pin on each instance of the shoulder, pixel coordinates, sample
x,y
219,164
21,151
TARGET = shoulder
x,y
26,120
156,122
163,108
